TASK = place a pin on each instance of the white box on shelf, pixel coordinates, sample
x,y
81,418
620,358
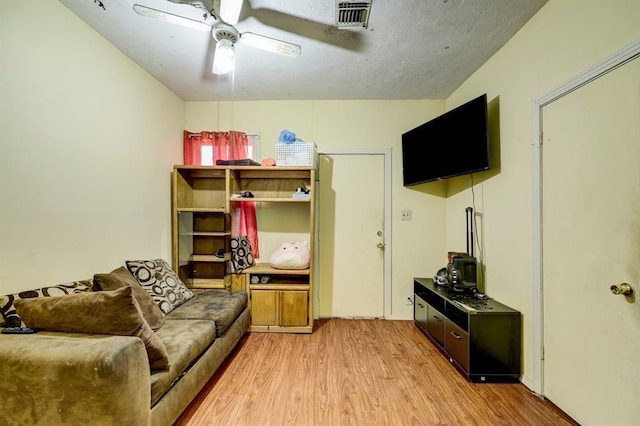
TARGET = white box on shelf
x,y
295,154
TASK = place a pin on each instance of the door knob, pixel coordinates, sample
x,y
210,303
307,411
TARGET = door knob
x,y
624,289
380,246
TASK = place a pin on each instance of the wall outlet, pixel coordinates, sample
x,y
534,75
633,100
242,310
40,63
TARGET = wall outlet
x,y
405,215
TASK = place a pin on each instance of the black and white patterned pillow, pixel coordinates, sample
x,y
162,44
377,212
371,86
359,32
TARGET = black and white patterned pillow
x,y
159,280
241,254
9,311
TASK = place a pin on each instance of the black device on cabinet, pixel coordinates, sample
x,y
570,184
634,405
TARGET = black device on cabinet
x,y
462,268
453,144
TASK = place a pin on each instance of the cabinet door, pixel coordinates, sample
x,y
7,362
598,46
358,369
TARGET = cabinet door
x,y
294,308
457,344
435,324
420,312
264,307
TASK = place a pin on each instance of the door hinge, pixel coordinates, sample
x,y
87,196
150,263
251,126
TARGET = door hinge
x,y
542,353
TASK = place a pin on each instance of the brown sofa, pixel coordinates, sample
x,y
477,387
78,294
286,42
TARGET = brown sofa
x,y
51,377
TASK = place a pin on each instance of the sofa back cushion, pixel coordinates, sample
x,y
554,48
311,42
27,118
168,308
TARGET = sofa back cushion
x,y
159,280
121,277
103,312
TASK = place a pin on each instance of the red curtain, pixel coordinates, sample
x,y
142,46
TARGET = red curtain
x,y
224,146
230,145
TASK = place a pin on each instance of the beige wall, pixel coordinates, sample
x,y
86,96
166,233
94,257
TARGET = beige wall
x,y
562,40
87,142
418,245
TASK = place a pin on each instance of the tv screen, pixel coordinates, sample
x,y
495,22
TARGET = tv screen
x,y
453,144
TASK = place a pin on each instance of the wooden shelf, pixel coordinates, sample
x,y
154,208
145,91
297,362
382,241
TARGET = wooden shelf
x,y
209,258
206,234
279,286
270,200
266,269
207,283
200,210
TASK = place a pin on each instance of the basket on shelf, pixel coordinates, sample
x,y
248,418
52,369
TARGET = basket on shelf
x,y
297,153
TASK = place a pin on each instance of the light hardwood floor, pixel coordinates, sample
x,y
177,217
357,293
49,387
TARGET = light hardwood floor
x,y
356,372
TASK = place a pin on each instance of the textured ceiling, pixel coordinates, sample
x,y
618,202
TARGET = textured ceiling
x,y
412,49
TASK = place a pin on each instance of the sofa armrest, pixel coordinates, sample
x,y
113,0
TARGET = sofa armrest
x,y
70,378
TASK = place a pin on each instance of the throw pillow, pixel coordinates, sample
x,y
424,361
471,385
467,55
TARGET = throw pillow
x,y
8,310
159,280
241,254
291,255
103,312
121,277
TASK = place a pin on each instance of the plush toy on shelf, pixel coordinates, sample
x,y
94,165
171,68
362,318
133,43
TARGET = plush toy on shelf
x,y
291,255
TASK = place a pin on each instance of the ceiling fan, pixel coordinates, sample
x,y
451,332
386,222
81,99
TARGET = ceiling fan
x,y
223,31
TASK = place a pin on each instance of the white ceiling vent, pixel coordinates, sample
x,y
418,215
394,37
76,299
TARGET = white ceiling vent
x,y
352,14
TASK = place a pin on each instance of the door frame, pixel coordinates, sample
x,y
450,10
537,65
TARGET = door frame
x,y
386,152
601,68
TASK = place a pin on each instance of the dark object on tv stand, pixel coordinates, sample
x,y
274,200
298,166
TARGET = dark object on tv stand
x,y
453,144
462,269
480,336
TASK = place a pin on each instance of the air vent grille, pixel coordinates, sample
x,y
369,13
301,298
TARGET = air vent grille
x,y
352,14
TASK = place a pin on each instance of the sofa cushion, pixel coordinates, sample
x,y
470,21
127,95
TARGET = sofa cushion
x,y
220,306
121,277
105,312
159,280
185,342
12,319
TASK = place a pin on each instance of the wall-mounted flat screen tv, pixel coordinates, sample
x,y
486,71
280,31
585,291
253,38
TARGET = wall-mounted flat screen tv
x,y
453,144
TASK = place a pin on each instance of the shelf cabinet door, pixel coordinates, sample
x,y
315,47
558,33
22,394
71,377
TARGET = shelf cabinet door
x,y
279,308
294,308
264,307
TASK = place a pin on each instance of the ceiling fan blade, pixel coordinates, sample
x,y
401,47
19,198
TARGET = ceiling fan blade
x,y
322,32
170,17
230,11
271,44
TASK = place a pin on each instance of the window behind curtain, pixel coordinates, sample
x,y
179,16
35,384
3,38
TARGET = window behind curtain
x,y
206,152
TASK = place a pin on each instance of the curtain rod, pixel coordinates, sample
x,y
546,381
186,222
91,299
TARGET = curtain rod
x,y
248,134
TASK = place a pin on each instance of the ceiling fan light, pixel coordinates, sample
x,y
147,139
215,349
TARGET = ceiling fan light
x,y
230,11
223,57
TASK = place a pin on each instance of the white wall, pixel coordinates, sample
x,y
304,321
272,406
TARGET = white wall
x,y
87,144
563,39
418,245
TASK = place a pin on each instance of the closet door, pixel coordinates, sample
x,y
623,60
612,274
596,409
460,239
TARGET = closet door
x,y
591,241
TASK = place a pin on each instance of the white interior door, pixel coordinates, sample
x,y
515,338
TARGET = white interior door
x,y
350,228
591,240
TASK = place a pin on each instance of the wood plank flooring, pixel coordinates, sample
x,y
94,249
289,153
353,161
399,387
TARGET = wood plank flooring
x,y
356,372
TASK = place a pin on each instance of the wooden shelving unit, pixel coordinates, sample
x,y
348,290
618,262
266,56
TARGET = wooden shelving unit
x,y
201,226
203,201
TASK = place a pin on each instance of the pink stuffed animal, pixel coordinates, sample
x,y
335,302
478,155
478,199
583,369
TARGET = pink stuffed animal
x,y
291,255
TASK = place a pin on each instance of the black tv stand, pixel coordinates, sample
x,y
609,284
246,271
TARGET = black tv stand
x,y
480,336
